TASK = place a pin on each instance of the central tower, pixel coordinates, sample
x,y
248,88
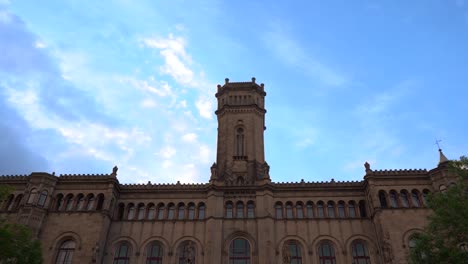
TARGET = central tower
x,y
240,158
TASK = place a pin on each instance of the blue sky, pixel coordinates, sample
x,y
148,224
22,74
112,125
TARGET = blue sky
x,y
86,85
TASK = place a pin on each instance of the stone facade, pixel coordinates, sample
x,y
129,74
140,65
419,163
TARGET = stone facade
x,y
240,216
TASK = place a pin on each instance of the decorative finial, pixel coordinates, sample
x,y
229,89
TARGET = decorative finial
x,y
367,166
262,85
114,170
219,86
253,79
226,81
442,158
53,173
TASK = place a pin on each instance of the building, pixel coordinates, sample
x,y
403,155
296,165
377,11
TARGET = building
x,y
239,216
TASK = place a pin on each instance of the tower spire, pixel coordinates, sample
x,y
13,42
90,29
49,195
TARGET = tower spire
x,y
442,158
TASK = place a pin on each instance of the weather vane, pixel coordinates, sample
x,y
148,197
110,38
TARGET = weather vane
x,y
437,143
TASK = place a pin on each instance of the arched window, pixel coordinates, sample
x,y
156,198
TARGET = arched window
x,y
32,196
360,252
240,142
9,202
90,202
411,243
229,213
425,195
250,209
130,211
122,253
240,210
17,202
331,209
187,252
154,253
362,208
181,211
170,211
141,211
42,198
299,210
289,210
151,212
191,211
352,209
59,202
310,210
383,199
341,209
292,252
161,210
404,198
279,210
65,252
80,202
327,253
239,251
121,211
320,212
393,199
201,211
100,201
69,202
415,198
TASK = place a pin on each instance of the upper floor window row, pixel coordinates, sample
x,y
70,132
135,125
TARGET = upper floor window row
x,y
239,210
403,199
79,202
320,209
161,211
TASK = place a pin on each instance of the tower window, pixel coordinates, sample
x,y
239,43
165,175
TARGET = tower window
x,y
240,142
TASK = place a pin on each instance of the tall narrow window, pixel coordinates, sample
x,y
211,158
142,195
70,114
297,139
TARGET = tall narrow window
x,y
425,196
404,199
59,202
229,210
393,199
32,196
122,254
292,252
310,210
320,212
362,209
80,200
187,252
240,142
415,198
279,210
161,211
327,253
121,211
331,209
100,201
9,202
42,198
154,253
240,210
191,211
299,211
65,252
151,212
90,202
250,210
17,202
141,211
341,209
352,209
170,212
181,212
239,251
360,252
289,210
383,199
201,211
69,202
131,212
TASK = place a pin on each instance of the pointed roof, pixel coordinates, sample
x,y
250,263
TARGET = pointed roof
x,y
442,158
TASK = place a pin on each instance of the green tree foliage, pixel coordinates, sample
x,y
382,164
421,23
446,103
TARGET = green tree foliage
x,y
448,224
17,245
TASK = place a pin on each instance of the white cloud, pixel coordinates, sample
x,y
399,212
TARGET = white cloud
x,y
5,17
205,107
148,103
167,152
172,49
40,45
204,154
160,89
190,137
